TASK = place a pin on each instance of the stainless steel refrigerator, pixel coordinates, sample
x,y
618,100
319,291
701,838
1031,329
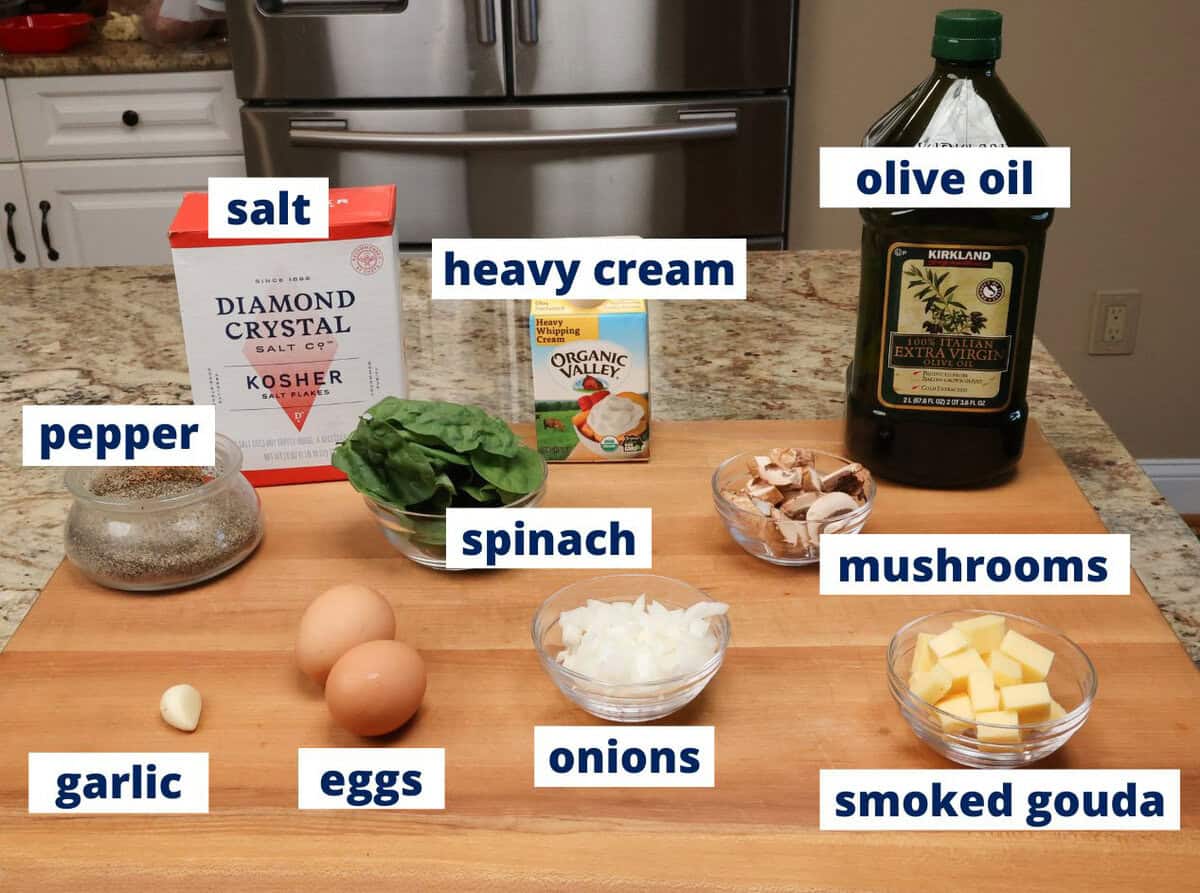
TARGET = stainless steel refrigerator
x,y
530,117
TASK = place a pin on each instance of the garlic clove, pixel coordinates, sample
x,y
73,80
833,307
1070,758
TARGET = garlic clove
x,y
180,707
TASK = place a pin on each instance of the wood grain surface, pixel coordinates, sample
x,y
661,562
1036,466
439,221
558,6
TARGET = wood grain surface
x,y
803,688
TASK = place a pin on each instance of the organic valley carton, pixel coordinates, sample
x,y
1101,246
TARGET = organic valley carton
x,y
591,380
292,340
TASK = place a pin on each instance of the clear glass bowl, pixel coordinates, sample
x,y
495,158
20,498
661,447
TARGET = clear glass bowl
x,y
1072,682
756,533
422,537
149,544
625,703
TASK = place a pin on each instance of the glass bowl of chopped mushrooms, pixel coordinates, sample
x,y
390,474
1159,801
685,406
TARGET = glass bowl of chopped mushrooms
x,y
777,502
631,647
142,528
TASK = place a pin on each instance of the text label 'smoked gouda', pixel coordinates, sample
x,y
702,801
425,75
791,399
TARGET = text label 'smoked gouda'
x,y
292,340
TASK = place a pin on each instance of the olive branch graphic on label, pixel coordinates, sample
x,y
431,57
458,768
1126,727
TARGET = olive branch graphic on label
x,y
946,315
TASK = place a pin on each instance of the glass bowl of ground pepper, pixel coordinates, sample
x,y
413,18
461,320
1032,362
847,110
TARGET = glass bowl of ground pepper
x,y
148,528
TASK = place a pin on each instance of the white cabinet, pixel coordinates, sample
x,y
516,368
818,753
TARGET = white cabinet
x,y
105,213
126,115
19,250
105,161
8,137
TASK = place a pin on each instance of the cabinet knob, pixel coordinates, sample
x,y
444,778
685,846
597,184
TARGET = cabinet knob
x,y
130,118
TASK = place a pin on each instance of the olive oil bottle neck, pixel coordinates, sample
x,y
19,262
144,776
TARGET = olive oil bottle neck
x,y
957,70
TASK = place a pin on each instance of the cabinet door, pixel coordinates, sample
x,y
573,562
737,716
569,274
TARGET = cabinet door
x,y
114,213
20,250
8,136
185,114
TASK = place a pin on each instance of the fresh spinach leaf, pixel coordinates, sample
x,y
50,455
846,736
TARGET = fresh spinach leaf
x,y
483,493
426,455
440,455
521,473
361,472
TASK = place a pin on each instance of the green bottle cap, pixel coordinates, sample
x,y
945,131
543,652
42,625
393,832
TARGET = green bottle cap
x,y
967,35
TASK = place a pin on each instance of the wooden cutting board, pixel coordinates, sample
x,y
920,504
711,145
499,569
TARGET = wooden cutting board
x,y
803,689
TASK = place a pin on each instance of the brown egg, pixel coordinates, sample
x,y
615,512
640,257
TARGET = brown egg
x,y
376,687
337,620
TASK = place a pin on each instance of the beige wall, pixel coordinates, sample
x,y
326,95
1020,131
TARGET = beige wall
x,y
1117,82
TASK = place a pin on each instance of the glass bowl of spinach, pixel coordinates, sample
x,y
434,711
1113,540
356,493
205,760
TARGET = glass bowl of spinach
x,y
413,459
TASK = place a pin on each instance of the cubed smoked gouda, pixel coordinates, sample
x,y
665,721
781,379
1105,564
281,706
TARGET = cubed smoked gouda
x,y
985,633
1006,670
1035,659
962,715
930,685
1030,701
1056,710
950,642
923,656
960,666
981,686
989,734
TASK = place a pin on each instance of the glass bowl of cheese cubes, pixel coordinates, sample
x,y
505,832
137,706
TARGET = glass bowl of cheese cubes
x,y
989,689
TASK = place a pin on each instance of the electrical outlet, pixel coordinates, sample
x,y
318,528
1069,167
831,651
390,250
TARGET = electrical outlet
x,y
1114,322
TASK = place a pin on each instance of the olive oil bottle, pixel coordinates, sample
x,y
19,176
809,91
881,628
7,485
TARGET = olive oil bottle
x,y
947,283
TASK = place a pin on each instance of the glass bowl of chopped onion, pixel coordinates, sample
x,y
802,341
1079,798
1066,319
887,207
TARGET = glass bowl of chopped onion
x,y
631,647
777,502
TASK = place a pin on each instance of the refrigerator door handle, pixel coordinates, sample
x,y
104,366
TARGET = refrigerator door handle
x,y
527,21
316,7
486,22
705,126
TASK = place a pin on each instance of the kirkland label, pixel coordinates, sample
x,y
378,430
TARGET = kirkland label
x,y
950,319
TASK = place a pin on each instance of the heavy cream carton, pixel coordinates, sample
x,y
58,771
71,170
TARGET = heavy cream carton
x,y
591,380
292,340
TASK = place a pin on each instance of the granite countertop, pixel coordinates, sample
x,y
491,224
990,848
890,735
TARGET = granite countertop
x,y
113,335
119,57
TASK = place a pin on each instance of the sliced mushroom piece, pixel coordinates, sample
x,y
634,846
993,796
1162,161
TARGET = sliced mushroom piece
x,y
763,507
754,519
798,505
777,475
739,499
829,507
784,458
790,457
851,478
808,480
794,533
762,527
764,491
811,480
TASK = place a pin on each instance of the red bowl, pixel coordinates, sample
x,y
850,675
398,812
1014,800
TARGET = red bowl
x,y
52,32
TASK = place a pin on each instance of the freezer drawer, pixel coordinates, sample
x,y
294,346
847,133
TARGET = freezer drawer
x,y
366,49
651,169
563,47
